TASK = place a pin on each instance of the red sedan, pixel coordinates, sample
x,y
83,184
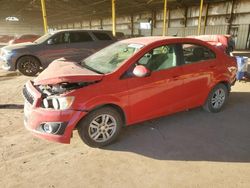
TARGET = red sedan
x,y
130,81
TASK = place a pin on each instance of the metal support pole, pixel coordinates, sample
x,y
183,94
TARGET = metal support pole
x,y
199,22
90,24
151,23
185,16
113,18
205,21
231,16
132,25
164,17
101,23
44,16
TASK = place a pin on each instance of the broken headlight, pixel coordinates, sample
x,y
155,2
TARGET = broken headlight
x,y
58,103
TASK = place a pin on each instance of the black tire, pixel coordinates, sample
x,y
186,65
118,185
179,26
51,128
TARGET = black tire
x,y
214,104
28,65
86,127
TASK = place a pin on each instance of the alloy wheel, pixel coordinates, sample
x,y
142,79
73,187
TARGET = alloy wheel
x,y
102,128
218,98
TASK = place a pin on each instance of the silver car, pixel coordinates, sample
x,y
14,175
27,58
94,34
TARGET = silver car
x,y
73,45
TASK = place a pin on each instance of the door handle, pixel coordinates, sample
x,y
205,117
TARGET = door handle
x,y
212,66
176,77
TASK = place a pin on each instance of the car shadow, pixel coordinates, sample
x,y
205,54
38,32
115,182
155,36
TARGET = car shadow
x,y
9,76
194,135
11,106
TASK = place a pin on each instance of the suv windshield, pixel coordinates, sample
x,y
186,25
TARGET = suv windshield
x,y
111,57
43,38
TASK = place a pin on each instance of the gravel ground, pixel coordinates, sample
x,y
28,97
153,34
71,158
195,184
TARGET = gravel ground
x,y
188,149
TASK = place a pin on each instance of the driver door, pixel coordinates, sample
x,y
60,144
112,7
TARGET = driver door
x,y
57,48
160,93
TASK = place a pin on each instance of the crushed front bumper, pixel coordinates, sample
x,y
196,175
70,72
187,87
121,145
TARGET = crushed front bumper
x,y
35,117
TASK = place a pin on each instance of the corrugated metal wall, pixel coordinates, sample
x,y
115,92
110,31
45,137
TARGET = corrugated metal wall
x,y
17,28
187,31
218,29
190,31
241,39
182,24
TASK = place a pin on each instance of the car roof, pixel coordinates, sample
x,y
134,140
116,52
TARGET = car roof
x,y
149,40
92,30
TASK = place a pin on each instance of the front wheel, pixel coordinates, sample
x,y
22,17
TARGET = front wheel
x,y
216,98
100,127
28,65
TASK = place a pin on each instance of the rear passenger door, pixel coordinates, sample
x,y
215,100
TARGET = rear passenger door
x,y
80,46
198,63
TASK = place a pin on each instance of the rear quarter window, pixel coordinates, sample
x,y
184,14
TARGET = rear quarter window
x,y
102,36
195,53
76,37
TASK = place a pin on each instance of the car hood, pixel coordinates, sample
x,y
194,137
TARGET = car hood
x,y
60,71
19,46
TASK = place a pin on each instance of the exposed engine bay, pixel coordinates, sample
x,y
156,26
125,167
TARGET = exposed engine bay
x,y
57,89
51,94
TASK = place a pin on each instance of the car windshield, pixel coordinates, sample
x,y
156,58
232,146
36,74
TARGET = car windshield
x,y
43,38
111,57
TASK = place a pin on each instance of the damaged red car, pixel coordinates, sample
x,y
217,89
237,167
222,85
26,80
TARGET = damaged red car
x,y
130,81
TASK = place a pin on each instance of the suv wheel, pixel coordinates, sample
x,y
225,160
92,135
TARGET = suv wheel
x,y
28,65
100,127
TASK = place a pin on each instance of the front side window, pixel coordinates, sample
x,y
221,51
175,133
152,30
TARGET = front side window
x,y
61,38
196,53
160,58
111,57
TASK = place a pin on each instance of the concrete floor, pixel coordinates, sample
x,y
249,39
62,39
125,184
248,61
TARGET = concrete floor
x,y
188,149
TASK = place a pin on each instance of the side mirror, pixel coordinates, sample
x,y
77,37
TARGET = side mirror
x,y
141,71
50,41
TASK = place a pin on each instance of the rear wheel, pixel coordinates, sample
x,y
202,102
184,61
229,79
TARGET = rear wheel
x,y
100,127
28,65
216,99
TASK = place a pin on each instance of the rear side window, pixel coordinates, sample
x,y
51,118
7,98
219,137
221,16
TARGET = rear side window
x,y
196,53
80,37
102,36
120,35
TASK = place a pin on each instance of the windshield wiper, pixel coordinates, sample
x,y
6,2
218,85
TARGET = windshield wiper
x,y
83,64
